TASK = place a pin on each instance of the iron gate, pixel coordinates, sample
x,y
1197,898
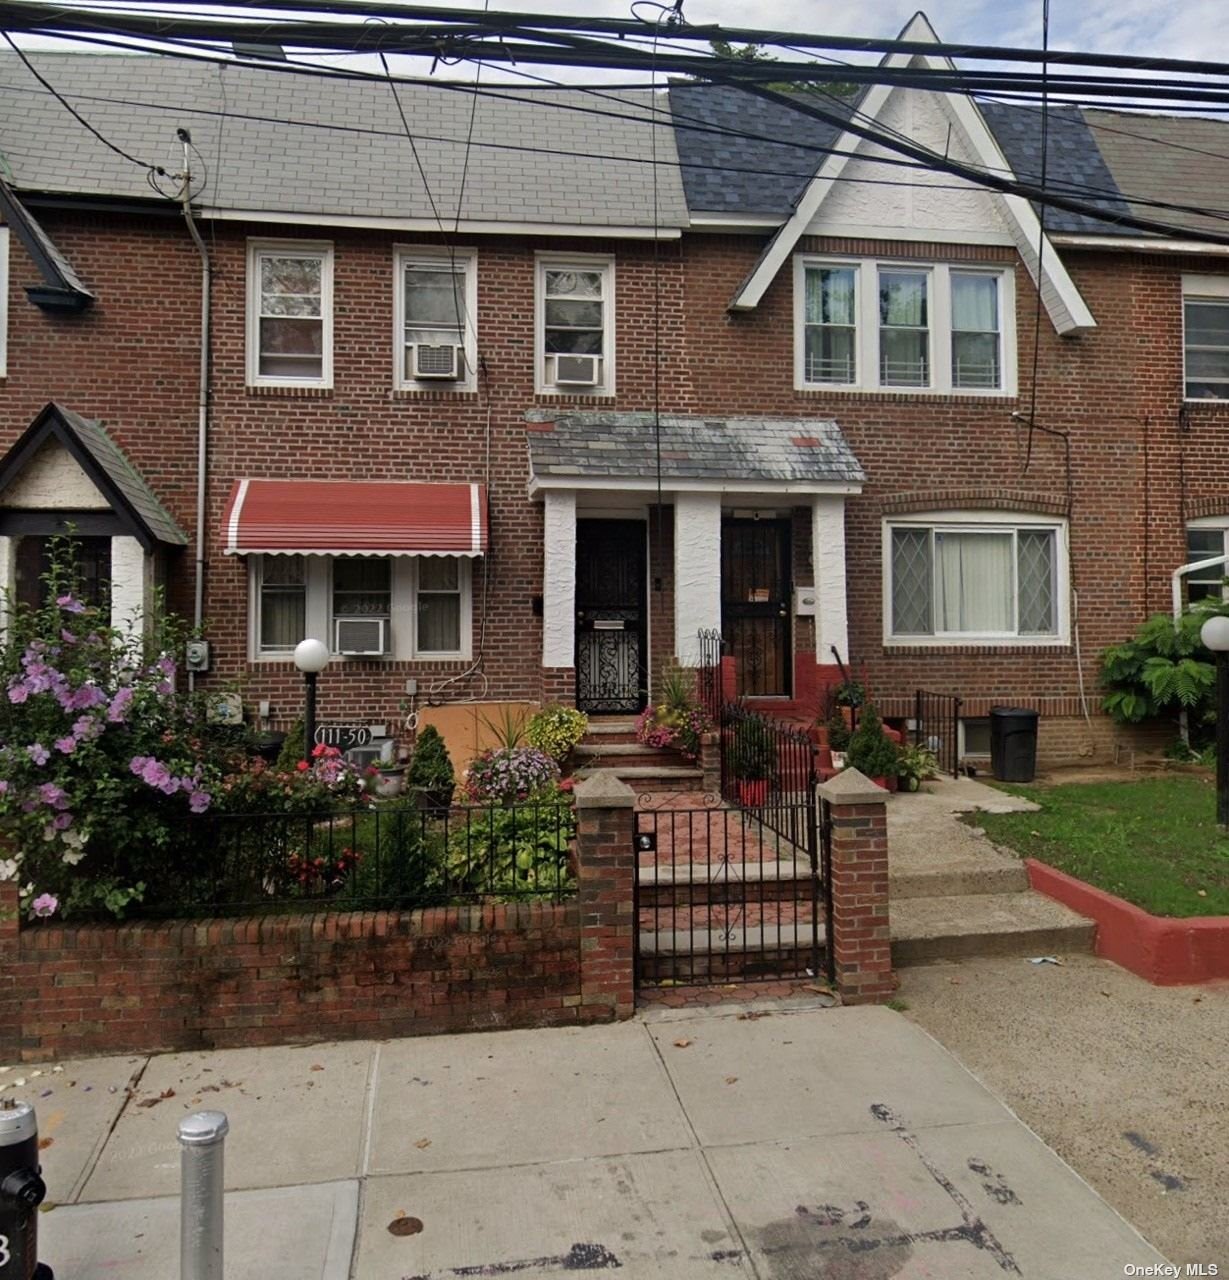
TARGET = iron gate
x,y
724,896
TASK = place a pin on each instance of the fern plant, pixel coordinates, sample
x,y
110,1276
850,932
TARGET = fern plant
x,y
1162,669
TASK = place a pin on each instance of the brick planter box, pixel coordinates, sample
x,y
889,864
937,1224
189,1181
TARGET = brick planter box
x,y
1164,950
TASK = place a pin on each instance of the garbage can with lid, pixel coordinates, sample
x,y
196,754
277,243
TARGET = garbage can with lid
x,y
1013,743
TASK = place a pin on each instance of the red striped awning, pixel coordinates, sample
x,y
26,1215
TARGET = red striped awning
x,y
355,517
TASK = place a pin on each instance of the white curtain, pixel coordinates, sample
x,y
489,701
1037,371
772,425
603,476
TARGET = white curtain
x,y
975,306
902,298
976,582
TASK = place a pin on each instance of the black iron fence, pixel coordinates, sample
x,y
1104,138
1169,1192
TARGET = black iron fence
x,y
937,728
768,767
708,673
395,855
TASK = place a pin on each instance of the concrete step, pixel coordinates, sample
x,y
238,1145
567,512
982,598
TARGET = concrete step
x,y
688,885
608,731
758,951
989,924
957,879
622,755
653,778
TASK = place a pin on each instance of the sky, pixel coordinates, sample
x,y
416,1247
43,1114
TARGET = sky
x,y
1178,29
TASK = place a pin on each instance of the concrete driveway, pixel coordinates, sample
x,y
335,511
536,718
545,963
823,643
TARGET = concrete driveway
x,y
836,1143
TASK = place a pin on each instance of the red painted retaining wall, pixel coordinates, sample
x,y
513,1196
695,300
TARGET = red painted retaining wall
x,y
1164,950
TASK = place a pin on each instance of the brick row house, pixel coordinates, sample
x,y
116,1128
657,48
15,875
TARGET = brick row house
x,y
521,433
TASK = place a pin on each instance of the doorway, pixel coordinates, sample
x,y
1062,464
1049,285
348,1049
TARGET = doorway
x,y
611,613
755,604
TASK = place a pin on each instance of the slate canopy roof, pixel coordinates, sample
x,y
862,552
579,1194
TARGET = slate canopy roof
x,y
570,449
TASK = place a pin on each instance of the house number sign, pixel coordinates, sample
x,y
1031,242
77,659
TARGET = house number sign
x,y
343,736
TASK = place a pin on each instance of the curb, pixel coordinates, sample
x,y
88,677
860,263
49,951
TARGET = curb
x,y
1163,950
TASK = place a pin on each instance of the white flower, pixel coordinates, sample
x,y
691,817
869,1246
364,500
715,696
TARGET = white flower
x,y
9,868
71,857
75,838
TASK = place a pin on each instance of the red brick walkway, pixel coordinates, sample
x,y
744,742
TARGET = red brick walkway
x,y
763,994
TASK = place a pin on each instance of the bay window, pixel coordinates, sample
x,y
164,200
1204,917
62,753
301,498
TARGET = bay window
x,y
421,603
965,577
865,325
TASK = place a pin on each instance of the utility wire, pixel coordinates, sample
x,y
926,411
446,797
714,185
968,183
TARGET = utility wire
x,y
1041,242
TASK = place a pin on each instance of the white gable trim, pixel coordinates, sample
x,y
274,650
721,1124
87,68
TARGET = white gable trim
x,y
1063,302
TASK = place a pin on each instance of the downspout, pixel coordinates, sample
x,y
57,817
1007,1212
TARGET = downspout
x,y
202,427
1176,588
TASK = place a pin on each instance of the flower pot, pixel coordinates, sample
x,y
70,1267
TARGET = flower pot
x,y
435,799
269,746
882,783
892,783
820,735
388,782
752,792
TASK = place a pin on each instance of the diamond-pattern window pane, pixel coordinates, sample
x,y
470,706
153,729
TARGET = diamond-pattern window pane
x,y
1035,574
912,583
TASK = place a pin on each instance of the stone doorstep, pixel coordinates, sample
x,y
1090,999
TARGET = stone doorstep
x,y
955,880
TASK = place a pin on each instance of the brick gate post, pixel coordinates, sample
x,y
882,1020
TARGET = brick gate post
x,y
858,930
606,872
10,996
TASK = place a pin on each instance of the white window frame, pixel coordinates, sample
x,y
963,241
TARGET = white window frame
x,y
989,522
939,323
258,249
403,611
4,301
1201,288
1219,524
579,262
435,256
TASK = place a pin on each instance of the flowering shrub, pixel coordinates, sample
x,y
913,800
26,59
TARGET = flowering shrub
x,y
673,726
509,775
556,730
326,782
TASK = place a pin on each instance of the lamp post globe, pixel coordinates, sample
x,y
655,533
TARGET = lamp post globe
x,y
311,657
1215,635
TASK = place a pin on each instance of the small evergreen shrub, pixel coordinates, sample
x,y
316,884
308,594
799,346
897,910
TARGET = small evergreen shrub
x,y
870,751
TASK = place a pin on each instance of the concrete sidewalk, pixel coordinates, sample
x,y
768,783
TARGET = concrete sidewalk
x,y
836,1143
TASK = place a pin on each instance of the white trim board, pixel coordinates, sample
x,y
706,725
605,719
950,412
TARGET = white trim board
x,y
1063,301
672,485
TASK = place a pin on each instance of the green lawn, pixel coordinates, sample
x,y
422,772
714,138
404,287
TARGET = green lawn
x,y
1153,842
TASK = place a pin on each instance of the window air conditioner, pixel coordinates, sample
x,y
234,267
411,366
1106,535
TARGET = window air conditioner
x,y
576,371
443,361
361,637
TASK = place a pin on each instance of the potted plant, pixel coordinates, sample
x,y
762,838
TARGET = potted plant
x,y
753,761
847,697
916,764
556,730
872,752
430,776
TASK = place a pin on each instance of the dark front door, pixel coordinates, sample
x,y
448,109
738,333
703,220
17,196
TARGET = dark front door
x,y
611,654
755,604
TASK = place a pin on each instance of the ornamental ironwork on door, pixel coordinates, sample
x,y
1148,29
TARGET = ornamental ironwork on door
x,y
611,654
755,604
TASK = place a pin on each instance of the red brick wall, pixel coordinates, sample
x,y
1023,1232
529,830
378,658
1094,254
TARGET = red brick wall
x,y
132,362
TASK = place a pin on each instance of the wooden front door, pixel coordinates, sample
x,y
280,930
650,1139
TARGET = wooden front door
x,y
755,604
611,606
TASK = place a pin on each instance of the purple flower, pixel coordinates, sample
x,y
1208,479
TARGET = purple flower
x,y
66,745
200,801
19,691
137,764
85,727
89,695
46,904
70,604
38,753
62,821
67,636
118,707
4,786
155,772
52,795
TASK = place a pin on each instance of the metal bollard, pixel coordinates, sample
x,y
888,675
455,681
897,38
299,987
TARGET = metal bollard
x,y
22,1190
202,1141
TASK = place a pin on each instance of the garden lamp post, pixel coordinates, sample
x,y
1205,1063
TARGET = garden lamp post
x,y
1215,635
311,657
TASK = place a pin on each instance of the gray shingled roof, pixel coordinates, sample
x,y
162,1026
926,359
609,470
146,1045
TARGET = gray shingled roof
x,y
770,176
1154,157
138,101
622,446
125,477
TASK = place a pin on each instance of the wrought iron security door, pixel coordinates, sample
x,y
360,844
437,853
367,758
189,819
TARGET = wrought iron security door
x,y
611,654
755,603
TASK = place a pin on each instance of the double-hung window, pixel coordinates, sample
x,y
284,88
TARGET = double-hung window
x,y
965,578
290,314
282,620
575,325
435,310
1205,315
438,611
1203,542
865,325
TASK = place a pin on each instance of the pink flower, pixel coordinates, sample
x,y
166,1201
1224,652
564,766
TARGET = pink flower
x,y
38,753
118,707
200,801
70,604
66,745
19,691
46,904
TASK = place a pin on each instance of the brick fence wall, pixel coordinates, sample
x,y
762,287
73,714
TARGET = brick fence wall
x,y
97,988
